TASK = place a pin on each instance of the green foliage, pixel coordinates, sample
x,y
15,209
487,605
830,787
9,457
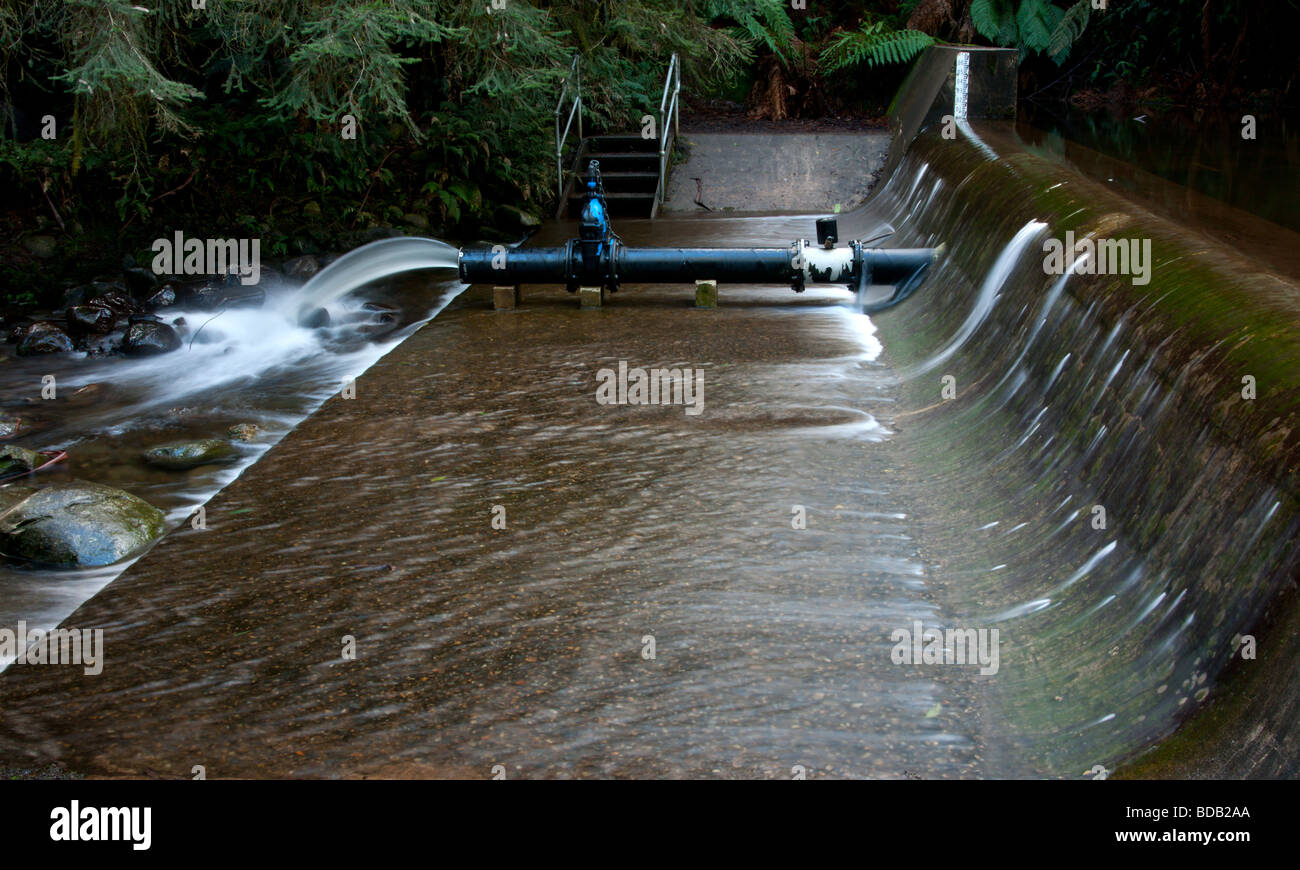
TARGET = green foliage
x,y
1033,26
117,85
1068,30
757,22
872,44
248,95
347,61
995,20
1247,42
1037,19
231,116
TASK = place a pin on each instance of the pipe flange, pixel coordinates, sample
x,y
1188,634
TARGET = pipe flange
x,y
798,263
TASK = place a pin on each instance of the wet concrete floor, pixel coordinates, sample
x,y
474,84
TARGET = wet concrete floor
x,y
647,610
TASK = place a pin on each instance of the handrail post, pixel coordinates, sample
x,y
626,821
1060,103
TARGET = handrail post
x,y
677,89
572,80
668,111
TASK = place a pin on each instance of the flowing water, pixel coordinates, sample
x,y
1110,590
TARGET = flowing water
x,y
1249,161
241,365
652,605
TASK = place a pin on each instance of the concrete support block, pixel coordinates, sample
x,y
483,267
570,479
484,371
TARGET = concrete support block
x,y
506,298
591,297
706,294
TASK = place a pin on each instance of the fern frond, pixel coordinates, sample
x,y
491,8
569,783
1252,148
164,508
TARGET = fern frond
x,y
995,20
763,22
873,44
1037,20
1068,30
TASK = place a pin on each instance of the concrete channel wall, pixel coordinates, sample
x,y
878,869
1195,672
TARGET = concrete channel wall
x,y
1169,404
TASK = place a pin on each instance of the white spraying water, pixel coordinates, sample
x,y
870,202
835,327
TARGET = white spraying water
x,y
370,263
1002,268
243,363
239,350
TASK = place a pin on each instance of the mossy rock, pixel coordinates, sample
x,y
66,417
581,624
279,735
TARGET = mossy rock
x,y
14,459
183,455
78,524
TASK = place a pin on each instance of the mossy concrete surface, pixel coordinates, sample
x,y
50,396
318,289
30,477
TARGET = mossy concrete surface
x,y
1170,405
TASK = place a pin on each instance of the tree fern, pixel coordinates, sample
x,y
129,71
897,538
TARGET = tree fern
x,y
763,22
1068,30
873,44
995,20
1031,25
1037,20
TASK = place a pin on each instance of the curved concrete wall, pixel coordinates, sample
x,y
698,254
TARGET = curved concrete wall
x,y
1077,392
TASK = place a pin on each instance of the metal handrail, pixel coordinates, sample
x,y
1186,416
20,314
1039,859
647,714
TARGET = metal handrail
x,y
667,108
571,82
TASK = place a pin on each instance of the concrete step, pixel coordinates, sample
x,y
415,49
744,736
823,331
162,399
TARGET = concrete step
x,y
623,142
628,182
620,204
623,161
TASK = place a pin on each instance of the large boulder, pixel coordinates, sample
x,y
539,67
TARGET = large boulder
x,y
218,293
302,268
11,494
203,294
149,337
165,296
43,337
83,293
314,318
140,281
516,218
90,320
78,524
115,301
98,345
41,247
182,455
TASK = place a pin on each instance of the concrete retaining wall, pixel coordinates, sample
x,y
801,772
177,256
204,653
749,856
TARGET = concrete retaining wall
x,y
1084,391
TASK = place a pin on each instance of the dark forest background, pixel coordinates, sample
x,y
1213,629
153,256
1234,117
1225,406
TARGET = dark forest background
x,y
124,120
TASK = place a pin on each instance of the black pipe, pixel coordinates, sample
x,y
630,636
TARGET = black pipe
x,y
897,265
502,265
724,265
617,263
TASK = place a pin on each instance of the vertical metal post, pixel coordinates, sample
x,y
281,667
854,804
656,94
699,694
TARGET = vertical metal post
x,y
677,111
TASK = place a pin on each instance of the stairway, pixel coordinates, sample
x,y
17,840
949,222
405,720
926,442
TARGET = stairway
x,y
634,168
629,166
